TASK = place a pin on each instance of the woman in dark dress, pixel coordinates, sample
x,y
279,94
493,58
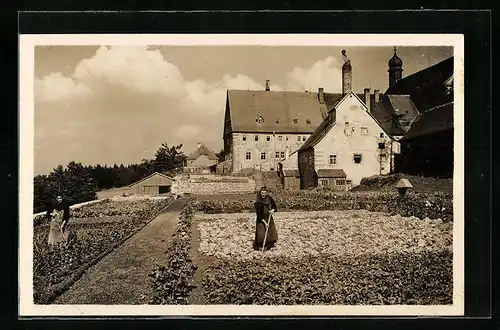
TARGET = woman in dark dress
x,y
264,207
58,213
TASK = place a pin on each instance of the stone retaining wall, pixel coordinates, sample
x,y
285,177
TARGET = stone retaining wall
x,y
212,185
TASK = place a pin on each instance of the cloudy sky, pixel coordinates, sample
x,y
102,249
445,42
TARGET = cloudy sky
x,y
106,105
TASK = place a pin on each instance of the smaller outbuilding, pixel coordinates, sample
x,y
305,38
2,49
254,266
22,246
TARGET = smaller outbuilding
x,y
291,179
155,184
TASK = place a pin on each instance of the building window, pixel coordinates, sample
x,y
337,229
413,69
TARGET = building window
x,y
248,155
381,135
282,154
323,183
244,137
280,138
262,155
287,138
381,145
364,130
348,182
295,121
304,138
256,138
383,157
340,182
333,159
277,154
357,158
268,138
298,138
346,124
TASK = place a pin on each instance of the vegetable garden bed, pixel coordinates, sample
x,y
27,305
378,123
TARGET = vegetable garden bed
x,y
327,257
421,205
56,268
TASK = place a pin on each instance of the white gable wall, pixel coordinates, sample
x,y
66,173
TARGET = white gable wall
x,y
291,163
336,142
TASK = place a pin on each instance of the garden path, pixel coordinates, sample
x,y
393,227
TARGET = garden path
x,y
121,278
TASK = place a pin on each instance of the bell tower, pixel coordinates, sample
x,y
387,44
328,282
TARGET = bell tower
x,y
395,69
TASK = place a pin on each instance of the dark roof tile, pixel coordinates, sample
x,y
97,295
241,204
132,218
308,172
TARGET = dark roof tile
x,y
202,150
279,110
432,121
426,87
291,173
330,173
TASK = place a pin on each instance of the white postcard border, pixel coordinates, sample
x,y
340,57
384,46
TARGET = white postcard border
x,y
27,44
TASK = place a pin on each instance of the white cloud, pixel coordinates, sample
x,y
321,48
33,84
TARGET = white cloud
x,y
136,68
55,87
324,73
144,100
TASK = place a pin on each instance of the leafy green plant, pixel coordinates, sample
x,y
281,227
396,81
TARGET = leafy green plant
x,y
383,279
54,265
170,282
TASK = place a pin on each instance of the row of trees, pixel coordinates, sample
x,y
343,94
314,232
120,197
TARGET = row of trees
x,y
79,183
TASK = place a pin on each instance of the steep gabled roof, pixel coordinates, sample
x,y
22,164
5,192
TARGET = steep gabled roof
x,y
320,132
278,110
202,150
432,121
325,127
427,87
390,105
150,176
330,173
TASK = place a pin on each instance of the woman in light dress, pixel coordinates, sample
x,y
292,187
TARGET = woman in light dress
x,y
59,214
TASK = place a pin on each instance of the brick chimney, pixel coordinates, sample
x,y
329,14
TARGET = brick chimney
x,y
377,95
367,98
346,74
267,85
321,95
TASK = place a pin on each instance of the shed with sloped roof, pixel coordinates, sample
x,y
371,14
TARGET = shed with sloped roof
x,y
154,184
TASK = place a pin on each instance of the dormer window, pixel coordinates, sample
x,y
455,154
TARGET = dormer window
x,y
277,121
308,121
259,120
295,121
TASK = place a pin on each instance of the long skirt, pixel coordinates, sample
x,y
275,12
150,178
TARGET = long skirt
x,y
55,234
260,232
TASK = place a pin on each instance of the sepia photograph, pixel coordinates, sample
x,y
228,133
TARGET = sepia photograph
x,y
241,175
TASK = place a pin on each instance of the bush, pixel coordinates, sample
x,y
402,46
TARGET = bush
x,y
379,181
420,205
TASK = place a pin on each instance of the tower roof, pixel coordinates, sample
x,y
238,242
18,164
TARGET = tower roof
x,y
395,61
